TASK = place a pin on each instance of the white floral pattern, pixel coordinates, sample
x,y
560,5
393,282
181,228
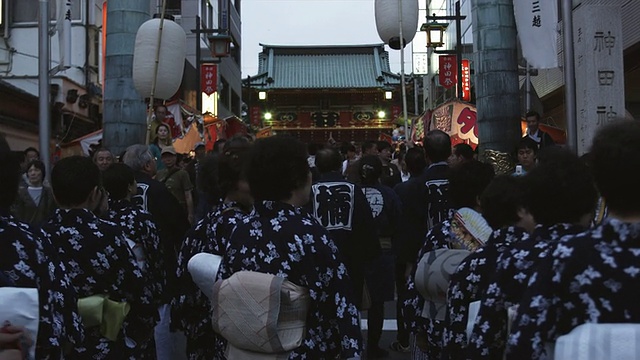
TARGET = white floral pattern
x,y
191,310
468,284
302,252
140,228
512,273
29,261
586,287
100,262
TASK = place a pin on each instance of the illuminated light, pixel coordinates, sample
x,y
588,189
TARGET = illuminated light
x,y
210,103
267,116
262,95
381,114
388,95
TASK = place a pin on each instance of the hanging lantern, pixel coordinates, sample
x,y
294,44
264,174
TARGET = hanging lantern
x,y
170,65
388,13
435,33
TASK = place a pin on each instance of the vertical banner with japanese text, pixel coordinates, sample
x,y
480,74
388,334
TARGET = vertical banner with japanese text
x,y
448,71
208,78
255,116
466,81
537,23
598,59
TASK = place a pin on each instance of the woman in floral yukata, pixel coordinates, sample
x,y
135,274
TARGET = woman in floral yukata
x,y
99,259
282,239
29,261
466,183
589,277
561,196
119,181
191,310
503,206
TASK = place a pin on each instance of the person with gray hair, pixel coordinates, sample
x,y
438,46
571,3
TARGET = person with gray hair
x,y
154,197
138,157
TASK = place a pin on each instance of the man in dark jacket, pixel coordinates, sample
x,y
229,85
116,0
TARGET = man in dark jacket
x,y
341,207
534,133
437,147
412,232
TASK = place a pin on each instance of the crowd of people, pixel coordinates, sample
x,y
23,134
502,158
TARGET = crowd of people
x,y
429,227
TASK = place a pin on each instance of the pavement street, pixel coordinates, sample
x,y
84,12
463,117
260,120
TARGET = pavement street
x,y
389,330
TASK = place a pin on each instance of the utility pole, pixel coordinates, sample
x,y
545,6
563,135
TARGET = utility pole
x,y
124,110
497,94
44,92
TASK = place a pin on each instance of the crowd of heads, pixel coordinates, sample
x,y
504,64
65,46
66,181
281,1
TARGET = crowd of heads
x,y
559,186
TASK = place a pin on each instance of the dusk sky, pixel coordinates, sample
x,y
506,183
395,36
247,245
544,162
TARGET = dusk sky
x,y
309,22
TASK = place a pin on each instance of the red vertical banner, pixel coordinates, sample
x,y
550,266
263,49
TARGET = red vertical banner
x,y
255,116
448,71
208,78
466,81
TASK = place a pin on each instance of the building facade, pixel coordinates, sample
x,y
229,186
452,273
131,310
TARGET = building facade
x,y
76,84
318,93
547,85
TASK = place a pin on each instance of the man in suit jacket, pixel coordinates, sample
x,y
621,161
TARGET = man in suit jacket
x,y
542,138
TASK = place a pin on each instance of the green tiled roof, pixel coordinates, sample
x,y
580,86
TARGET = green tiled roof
x,y
324,67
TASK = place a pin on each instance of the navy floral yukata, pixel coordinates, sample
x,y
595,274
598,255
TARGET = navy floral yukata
x,y
437,238
191,310
139,227
441,236
468,284
30,262
286,241
99,261
505,289
589,278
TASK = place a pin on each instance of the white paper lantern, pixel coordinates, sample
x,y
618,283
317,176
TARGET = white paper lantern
x,y
388,21
171,59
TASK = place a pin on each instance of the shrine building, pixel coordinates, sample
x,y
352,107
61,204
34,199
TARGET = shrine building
x,y
346,92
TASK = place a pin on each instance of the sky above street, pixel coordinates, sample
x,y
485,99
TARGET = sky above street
x,y
309,22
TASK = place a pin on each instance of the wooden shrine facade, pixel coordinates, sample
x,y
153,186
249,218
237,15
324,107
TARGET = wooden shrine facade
x,y
315,93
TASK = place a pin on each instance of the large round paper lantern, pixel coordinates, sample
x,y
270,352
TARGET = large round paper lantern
x,y
170,60
387,14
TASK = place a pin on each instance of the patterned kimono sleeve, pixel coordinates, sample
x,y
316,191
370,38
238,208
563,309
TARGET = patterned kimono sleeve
x,y
414,302
458,298
331,288
132,285
488,337
156,267
59,319
183,299
436,238
538,314
60,292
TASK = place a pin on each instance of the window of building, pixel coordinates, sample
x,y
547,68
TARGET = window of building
x,y
26,11
209,13
173,7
